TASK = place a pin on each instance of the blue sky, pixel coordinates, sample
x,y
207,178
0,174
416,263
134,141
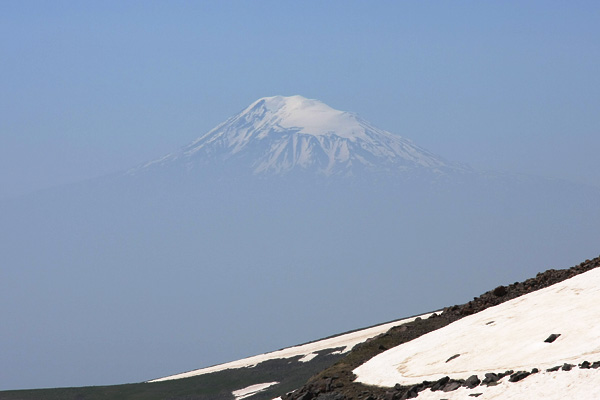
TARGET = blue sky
x,y
91,88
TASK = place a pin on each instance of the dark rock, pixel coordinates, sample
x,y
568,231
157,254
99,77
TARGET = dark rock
x,y
596,364
306,396
451,386
389,396
519,375
585,365
409,394
331,396
567,367
328,382
552,338
490,377
553,369
535,371
468,310
418,388
453,357
472,381
500,291
398,386
475,394
505,373
439,384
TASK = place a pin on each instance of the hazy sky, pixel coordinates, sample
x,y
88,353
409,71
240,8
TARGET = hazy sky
x,y
90,88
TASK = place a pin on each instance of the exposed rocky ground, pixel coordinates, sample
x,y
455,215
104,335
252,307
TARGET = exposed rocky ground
x,y
337,382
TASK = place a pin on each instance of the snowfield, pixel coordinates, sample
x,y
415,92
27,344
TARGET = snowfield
x,y
510,336
310,116
252,390
306,351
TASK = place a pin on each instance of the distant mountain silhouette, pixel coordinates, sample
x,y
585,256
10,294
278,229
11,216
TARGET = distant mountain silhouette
x,y
282,135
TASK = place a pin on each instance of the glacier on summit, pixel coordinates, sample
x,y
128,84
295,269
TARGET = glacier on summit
x,y
278,135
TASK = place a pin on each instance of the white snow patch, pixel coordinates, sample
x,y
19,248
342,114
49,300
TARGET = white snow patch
x,y
509,336
252,390
308,357
348,341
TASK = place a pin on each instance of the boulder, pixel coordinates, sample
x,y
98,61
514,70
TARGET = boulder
x,y
567,367
440,383
490,377
472,381
452,385
500,291
552,338
519,375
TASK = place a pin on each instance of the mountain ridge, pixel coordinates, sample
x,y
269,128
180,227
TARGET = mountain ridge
x,y
338,381
330,382
278,135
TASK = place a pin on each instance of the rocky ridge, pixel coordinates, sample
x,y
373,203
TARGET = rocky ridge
x,y
337,382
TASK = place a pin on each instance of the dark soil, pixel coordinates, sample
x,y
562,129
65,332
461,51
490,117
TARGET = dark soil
x,y
337,382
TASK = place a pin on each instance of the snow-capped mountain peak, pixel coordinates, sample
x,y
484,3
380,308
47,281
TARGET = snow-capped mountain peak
x,y
277,135
312,117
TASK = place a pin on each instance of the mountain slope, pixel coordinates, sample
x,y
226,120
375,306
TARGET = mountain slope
x,y
417,362
339,344
549,327
274,374
279,135
264,376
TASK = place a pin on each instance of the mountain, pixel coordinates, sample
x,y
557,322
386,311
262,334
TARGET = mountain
x,y
283,135
170,267
527,340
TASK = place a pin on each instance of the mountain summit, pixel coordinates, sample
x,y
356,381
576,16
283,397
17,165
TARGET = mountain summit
x,y
279,135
